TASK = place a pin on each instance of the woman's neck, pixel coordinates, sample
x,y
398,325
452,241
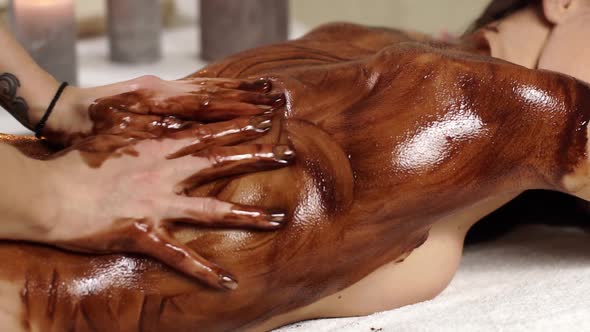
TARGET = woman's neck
x,y
520,37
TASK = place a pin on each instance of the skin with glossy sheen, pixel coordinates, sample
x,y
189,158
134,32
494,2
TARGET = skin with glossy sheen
x,y
190,102
391,135
127,127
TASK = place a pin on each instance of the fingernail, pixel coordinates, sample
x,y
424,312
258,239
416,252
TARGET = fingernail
x,y
261,123
179,189
228,282
264,85
276,218
279,100
283,153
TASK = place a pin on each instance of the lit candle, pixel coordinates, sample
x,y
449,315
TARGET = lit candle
x,y
134,30
47,30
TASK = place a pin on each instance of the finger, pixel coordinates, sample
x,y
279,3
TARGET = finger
x,y
274,100
235,160
202,107
260,85
159,245
215,213
220,133
138,125
257,85
207,109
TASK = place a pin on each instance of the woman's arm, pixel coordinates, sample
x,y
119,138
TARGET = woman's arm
x,y
151,107
145,106
25,88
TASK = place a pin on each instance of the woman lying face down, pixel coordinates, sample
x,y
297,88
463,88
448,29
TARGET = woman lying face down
x,y
401,143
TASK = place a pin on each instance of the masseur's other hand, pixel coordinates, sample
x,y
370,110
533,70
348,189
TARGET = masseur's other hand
x,y
149,107
118,194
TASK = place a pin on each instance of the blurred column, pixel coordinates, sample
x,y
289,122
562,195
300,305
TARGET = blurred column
x,y
47,30
135,28
230,26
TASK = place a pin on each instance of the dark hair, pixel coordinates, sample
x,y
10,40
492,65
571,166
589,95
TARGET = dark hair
x,y
498,9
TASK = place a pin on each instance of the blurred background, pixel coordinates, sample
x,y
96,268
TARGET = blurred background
x,y
424,15
429,16
181,43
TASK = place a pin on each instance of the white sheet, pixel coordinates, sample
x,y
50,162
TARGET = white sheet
x,y
536,278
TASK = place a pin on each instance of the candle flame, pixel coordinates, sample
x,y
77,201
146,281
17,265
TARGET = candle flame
x,y
41,3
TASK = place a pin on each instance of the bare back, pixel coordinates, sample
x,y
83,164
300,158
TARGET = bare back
x,y
391,137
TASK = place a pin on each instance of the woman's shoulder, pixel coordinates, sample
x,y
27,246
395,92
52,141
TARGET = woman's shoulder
x,y
368,38
458,60
351,30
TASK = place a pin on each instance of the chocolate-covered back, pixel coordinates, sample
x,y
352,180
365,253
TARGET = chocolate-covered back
x,y
391,136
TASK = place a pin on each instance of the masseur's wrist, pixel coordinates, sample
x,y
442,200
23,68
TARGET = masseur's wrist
x,y
27,208
40,97
70,115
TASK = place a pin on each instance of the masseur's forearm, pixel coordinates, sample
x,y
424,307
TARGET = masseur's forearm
x,y
22,196
25,88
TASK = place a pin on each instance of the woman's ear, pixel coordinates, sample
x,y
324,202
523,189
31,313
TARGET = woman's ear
x,y
557,10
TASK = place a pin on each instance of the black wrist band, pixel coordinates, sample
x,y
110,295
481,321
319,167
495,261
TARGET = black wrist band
x,y
39,127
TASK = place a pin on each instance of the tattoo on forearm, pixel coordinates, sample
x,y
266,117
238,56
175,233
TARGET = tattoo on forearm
x,y
9,100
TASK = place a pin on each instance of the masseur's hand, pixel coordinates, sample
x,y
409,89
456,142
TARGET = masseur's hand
x,y
149,107
116,194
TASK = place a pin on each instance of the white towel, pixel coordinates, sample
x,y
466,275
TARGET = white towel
x,y
536,278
